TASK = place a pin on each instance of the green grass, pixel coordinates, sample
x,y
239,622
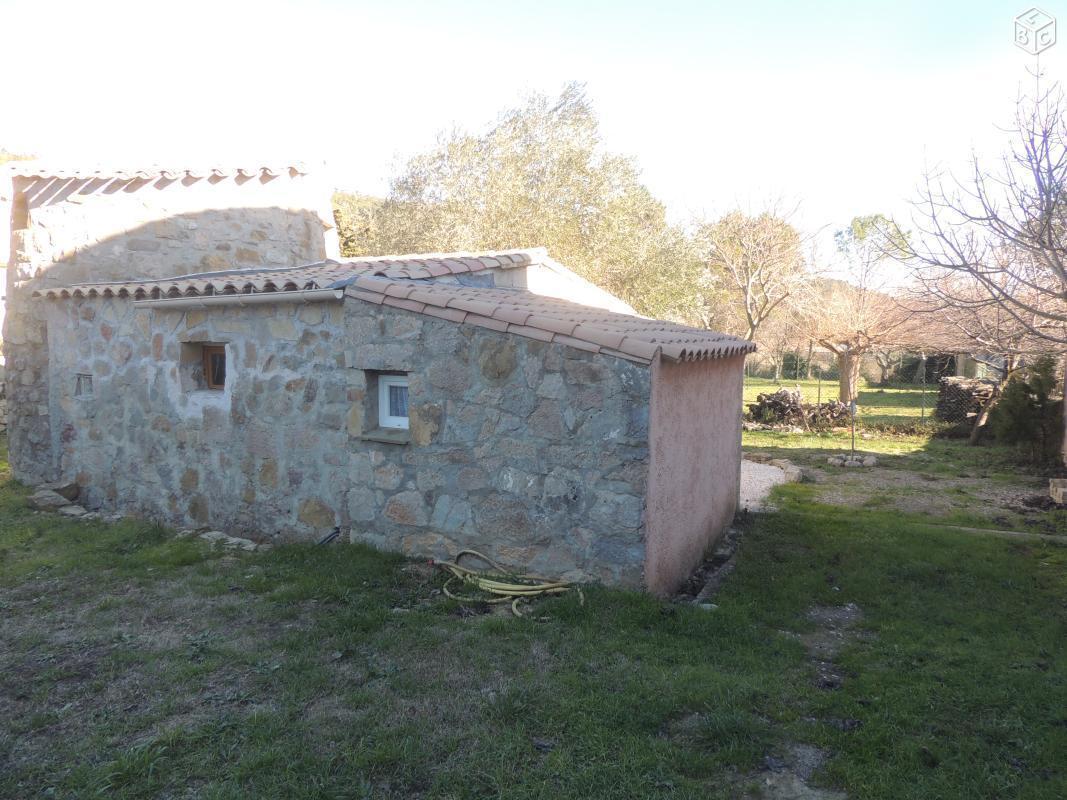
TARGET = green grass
x,y
983,484
875,405
137,665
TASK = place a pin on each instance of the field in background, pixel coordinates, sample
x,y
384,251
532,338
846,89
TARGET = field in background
x,y
899,404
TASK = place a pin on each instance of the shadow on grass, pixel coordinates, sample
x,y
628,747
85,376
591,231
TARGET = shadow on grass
x,y
133,665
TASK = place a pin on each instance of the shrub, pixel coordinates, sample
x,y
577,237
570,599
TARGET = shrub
x,y
794,366
1026,415
908,370
911,427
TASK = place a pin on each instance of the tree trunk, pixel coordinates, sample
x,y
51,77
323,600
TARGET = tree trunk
x,y
848,365
811,351
982,420
1063,451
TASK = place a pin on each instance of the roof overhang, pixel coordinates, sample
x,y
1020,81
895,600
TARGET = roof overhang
x,y
216,300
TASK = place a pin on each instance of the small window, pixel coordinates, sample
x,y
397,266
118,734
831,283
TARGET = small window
x,y
83,385
214,366
393,401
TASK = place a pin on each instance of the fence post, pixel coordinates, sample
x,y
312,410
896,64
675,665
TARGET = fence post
x,y
922,411
852,411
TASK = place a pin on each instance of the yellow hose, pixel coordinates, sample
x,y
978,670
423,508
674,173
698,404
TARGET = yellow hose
x,y
506,586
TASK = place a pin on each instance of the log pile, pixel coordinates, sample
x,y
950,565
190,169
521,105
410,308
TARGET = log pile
x,y
961,399
786,407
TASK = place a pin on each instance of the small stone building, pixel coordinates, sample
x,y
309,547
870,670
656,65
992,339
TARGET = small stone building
x,y
421,403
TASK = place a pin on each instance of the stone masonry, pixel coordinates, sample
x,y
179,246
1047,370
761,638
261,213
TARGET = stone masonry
x,y
556,437
533,452
68,230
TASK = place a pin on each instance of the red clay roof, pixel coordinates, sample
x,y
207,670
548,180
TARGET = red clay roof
x,y
552,320
407,282
39,169
323,275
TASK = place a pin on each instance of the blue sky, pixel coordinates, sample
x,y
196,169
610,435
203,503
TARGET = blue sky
x,y
835,106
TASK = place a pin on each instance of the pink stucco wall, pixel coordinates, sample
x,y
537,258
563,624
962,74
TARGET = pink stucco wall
x,y
695,464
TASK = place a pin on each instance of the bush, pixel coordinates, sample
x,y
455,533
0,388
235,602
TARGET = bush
x,y
794,366
913,427
908,371
828,373
1026,416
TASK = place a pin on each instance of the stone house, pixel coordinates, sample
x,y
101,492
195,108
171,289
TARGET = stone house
x,y
74,225
419,403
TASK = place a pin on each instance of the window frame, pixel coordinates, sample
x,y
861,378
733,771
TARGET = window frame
x,y
83,384
207,351
385,420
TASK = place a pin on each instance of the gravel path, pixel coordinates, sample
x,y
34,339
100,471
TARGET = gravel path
x,y
757,480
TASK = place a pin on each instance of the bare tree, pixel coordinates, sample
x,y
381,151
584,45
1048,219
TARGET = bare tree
x,y
758,260
854,316
990,250
884,358
780,335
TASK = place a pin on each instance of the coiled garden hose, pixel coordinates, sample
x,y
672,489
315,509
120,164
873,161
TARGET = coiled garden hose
x,y
503,585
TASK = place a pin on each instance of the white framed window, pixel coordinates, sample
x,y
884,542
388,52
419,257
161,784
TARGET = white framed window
x,y
393,401
83,385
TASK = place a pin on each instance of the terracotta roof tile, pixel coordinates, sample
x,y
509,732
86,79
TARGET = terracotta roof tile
x,y
451,314
570,341
591,332
486,322
41,169
564,327
388,280
514,316
322,275
552,320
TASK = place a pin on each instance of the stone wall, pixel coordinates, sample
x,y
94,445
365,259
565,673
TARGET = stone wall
x,y
74,231
165,228
533,453
3,401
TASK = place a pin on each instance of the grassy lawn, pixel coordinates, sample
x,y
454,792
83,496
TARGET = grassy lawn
x,y
137,665
942,481
874,405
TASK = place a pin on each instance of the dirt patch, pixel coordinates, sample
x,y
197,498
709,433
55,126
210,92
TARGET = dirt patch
x,y
700,587
916,492
835,627
835,624
834,631
786,777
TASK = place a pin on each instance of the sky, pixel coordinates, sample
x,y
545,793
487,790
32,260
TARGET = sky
x,y
836,107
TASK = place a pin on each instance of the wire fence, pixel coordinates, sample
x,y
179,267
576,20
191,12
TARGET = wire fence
x,y
893,403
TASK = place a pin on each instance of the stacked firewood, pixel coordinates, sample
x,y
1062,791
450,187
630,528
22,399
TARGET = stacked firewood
x,y
961,399
786,407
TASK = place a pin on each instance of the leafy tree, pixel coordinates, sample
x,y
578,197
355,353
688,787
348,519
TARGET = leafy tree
x,y
539,177
7,156
356,217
